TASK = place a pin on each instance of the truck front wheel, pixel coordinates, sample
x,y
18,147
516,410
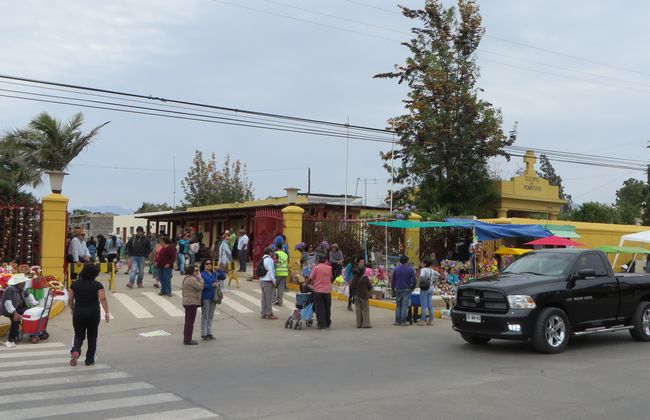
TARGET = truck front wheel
x,y
474,339
641,322
551,332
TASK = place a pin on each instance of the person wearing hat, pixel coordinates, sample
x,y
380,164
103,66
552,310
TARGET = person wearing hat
x,y
336,260
77,250
14,303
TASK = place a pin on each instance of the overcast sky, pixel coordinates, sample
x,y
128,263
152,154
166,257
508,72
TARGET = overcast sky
x,y
215,52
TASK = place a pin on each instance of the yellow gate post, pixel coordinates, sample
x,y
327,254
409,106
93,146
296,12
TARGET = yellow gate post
x,y
53,225
292,216
412,241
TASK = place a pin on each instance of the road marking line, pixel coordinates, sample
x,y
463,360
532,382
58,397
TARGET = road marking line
x,y
32,347
74,392
134,307
42,371
236,306
61,380
179,294
248,298
291,294
186,414
103,313
34,362
286,294
164,304
33,353
89,406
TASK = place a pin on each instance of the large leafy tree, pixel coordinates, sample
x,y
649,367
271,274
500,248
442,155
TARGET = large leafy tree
x,y
448,133
547,171
595,212
629,200
206,184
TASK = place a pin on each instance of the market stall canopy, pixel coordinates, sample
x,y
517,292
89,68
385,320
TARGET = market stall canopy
x,y
563,231
610,249
511,251
490,231
412,224
555,241
636,237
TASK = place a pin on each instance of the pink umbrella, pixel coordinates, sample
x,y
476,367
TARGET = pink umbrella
x,y
555,241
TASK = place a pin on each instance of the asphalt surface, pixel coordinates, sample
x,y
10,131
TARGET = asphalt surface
x,y
257,369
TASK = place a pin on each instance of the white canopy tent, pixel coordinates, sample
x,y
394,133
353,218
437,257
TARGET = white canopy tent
x,y
643,237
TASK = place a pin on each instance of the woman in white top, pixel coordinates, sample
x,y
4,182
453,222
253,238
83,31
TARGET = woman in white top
x,y
428,279
225,254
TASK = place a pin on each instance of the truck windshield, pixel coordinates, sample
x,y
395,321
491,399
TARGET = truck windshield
x,y
542,264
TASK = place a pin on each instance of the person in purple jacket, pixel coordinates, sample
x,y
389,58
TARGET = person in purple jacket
x,y
402,282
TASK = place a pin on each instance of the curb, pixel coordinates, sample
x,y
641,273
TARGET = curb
x,y
55,310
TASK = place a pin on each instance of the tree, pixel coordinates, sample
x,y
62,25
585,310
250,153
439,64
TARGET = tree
x,y
629,200
595,212
448,133
547,171
204,184
152,207
81,212
47,144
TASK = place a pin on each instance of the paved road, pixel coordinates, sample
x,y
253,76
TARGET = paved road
x,y
256,369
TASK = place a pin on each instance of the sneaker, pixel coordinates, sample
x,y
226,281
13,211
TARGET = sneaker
x,y
397,324
204,337
271,317
156,285
419,323
169,295
140,286
211,337
89,363
10,344
161,294
190,343
429,322
73,358
129,285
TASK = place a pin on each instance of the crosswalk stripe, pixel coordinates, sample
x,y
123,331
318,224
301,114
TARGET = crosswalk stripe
x,y
89,406
134,307
62,380
235,305
164,304
23,354
74,392
251,299
286,294
103,313
180,295
186,414
38,346
42,371
291,294
35,362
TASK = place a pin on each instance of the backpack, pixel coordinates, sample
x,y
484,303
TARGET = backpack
x,y
261,269
425,281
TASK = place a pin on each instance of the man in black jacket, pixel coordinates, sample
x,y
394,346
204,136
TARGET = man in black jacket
x,y
137,248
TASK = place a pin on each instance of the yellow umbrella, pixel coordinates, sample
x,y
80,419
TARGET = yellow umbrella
x,y
511,251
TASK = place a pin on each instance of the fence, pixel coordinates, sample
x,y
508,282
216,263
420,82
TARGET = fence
x,y
20,226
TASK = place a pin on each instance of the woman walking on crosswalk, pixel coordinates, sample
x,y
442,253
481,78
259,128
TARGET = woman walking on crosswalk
x,y
84,298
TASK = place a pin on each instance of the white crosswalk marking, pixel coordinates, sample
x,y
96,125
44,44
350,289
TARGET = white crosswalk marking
x,y
74,392
81,391
252,300
235,305
287,295
63,380
88,406
132,306
41,371
38,346
164,304
187,414
34,362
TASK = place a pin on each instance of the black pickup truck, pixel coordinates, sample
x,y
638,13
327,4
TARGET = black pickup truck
x,y
548,295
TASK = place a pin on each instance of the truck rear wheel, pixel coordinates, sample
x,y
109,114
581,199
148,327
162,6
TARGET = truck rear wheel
x,y
641,322
551,332
474,339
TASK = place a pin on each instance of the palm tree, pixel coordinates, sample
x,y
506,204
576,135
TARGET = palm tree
x,y
47,144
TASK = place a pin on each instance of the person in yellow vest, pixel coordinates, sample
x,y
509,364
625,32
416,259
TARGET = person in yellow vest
x,y
281,274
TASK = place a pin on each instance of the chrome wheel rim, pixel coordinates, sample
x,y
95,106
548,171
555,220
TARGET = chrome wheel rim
x,y
645,321
555,330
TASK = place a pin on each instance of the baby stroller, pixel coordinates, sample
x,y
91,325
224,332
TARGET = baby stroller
x,y
304,311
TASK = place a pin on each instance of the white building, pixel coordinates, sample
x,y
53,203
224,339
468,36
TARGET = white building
x,y
125,225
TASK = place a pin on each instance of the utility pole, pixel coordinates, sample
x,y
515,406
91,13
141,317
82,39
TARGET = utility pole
x,y
174,170
308,180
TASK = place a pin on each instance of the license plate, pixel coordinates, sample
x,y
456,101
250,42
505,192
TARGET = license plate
x,y
473,318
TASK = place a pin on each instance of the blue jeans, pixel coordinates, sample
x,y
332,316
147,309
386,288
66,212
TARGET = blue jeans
x,y
180,258
192,258
165,275
402,304
137,267
426,301
243,253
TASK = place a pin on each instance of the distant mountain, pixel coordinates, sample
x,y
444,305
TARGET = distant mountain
x,y
108,209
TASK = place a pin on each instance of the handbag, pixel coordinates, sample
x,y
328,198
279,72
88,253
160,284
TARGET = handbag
x,y
218,296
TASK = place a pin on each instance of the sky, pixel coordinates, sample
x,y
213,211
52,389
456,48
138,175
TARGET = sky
x,y
581,83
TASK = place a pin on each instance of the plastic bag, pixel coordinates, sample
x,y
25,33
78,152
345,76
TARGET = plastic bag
x,y
346,290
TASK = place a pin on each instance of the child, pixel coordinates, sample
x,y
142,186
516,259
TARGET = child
x,y
347,276
360,287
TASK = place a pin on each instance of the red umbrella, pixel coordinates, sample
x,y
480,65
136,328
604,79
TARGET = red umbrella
x,y
554,240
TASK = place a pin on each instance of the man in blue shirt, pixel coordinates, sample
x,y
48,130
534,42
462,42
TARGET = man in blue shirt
x,y
402,282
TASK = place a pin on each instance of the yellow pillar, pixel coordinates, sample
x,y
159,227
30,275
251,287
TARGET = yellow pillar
x,y
53,225
412,239
292,216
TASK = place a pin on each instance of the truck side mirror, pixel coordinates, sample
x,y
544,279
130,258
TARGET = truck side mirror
x,y
584,273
